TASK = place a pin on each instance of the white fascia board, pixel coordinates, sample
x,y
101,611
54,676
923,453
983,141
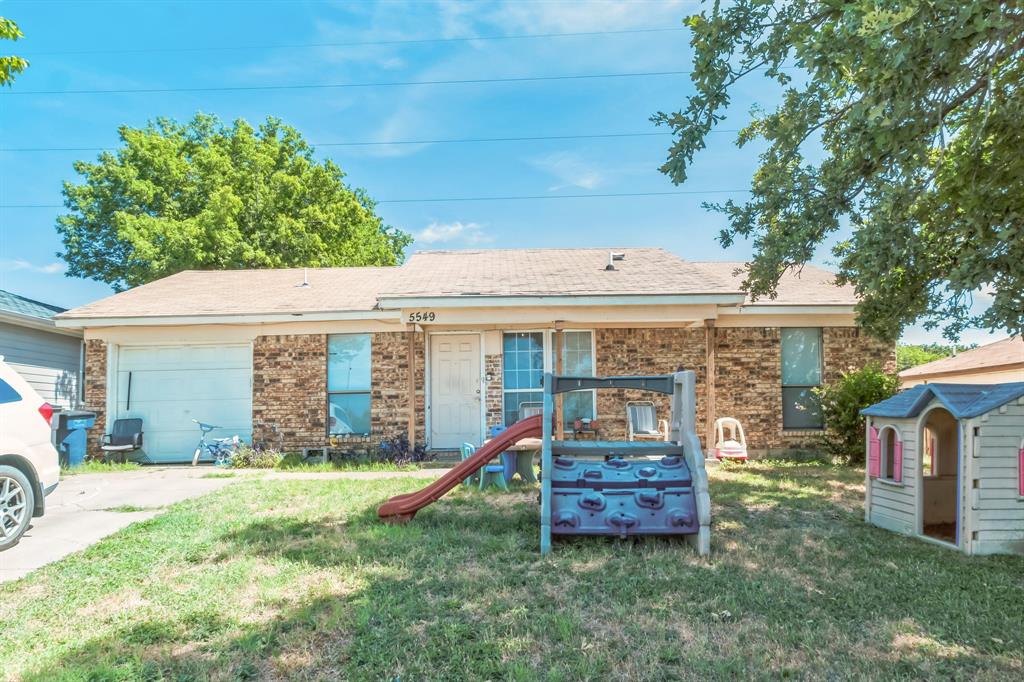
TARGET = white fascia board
x,y
769,309
155,321
399,302
48,325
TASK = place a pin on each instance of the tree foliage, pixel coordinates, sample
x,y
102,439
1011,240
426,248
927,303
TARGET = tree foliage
x,y
204,195
10,66
899,121
913,354
841,403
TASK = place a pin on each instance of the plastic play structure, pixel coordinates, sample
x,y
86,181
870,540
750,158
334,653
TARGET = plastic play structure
x,y
731,445
608,488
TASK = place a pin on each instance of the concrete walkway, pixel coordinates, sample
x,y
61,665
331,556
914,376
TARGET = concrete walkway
x,y
81,511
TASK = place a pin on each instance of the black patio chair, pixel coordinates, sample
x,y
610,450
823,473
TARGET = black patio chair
x,y
124,438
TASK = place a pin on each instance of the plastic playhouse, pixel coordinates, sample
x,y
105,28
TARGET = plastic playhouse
x,y
608,488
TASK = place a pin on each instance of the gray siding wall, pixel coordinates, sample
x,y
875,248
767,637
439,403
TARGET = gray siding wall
x,y
49,362
894,505
997,509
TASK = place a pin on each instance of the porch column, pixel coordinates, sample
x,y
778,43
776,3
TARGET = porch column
x,y
411,388
710,342
559,430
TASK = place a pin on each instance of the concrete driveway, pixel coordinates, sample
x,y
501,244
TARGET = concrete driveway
x,y
81,512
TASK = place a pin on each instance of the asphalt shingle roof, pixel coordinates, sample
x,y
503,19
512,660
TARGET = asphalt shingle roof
x,y
810,285
13,303
964,401
496,272
552,272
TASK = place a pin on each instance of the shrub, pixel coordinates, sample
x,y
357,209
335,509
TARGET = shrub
x,y
397,451
248,457
841,403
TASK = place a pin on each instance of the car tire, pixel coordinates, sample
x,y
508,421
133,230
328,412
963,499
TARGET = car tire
x,y
17,501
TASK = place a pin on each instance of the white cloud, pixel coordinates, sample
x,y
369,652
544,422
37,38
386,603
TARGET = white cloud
x,y
570,170
467,233
17,264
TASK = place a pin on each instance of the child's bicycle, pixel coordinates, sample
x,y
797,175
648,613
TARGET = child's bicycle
x,y
220,449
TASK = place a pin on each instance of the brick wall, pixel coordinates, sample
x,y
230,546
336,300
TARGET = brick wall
x,y
748,382
290,391
494,400
389,398
289,384
645,351
748,377
846,348
96,391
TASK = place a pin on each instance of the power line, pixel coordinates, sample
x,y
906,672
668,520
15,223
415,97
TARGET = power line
x,y
324,86
420,200
361,43
372,143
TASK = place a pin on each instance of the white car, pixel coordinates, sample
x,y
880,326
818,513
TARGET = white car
x,y
29,468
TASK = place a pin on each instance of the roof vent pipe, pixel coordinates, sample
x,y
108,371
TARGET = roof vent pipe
x,y
305,279
612,257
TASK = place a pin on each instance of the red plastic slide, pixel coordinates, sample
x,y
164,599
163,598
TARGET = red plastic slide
x,y
401,508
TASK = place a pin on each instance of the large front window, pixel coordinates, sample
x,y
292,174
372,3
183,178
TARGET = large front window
x,y
523,360
348,384
524,366
801,374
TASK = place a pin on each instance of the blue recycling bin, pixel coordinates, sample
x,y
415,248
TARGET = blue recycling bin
x,y
72,435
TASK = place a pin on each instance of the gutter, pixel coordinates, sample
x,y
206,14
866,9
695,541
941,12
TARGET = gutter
x,y
168,320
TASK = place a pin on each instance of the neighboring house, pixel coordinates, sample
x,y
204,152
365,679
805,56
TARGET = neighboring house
x,y
49,358
452,342
994,363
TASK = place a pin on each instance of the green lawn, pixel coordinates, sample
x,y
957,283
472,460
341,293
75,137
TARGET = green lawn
x,y
297,579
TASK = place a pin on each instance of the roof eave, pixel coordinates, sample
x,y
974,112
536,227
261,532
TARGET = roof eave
x,y
252,318
33,322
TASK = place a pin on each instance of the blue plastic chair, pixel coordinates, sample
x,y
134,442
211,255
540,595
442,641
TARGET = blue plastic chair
x,y
487,474
508,459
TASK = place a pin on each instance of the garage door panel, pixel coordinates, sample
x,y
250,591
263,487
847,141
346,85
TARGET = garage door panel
x,y
187,357
149,385
172,385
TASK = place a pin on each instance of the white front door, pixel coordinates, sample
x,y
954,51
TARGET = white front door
x,y
169,386
454,390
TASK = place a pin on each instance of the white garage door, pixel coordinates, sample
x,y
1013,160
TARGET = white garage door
x,y
172,385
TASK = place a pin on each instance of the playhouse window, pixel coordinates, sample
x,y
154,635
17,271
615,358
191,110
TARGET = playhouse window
x,y
348,384
801,374
891,455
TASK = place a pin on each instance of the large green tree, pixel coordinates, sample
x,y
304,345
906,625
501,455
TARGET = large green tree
x,y
901,124
205,195
10,66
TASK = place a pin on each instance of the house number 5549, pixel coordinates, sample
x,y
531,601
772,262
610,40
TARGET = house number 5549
x,y
428,316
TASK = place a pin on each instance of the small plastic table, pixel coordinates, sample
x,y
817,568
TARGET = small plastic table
x,y
518,459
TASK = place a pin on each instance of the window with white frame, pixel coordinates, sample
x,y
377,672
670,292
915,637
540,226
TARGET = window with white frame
x,y
348,384
523,370
801,374
891,446
577,361
524,362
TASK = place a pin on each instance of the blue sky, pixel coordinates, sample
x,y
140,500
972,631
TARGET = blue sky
x,y
77,45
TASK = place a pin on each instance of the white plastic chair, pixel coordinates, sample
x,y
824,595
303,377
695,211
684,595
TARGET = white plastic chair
x,y
643,421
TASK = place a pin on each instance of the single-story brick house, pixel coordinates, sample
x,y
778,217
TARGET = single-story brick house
x,y
451,342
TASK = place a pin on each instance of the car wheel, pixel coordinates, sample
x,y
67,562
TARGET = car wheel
x,y
17,500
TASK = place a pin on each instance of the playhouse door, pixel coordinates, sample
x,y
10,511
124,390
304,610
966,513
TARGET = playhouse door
x,y
454,390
